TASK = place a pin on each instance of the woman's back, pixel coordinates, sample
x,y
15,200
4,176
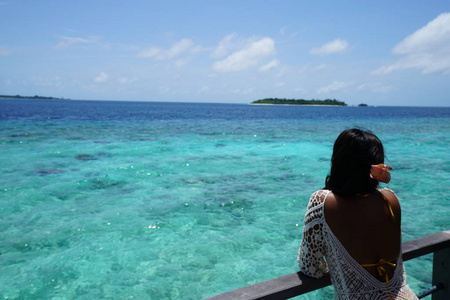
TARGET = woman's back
x,y
351,229
366,227
360,250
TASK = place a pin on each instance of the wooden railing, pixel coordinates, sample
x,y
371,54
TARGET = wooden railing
x,y
296,284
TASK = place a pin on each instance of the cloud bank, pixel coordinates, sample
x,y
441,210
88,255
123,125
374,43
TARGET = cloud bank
x,y
66,41
335,86
335,46
250,55
184,46
228,44
103,77
427,49
269,66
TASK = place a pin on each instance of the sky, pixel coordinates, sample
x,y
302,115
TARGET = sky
x,y
374,52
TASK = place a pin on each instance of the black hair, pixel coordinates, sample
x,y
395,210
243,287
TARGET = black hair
x,y
354,152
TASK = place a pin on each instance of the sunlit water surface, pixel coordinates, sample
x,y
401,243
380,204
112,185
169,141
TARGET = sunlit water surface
x,y
129,200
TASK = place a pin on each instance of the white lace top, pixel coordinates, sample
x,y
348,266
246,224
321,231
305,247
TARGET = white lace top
x,y
321,251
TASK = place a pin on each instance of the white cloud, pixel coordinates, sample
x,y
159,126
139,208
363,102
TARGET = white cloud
x,y
151,52
226,45
246,57
336,46
103,77
284,32
178,48
336,85
279,84
284,71
184,46
182,62
243,91
435,34
272,64
375,87
427,49
66,41
5,51
320,67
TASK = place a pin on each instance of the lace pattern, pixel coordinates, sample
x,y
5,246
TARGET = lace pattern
x,y
350,280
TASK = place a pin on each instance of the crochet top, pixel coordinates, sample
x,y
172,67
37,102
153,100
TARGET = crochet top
x,y
321,251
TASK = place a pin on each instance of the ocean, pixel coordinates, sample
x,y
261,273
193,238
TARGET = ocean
x,y
148,200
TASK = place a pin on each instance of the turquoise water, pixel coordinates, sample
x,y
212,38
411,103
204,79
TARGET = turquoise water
x,y
185,201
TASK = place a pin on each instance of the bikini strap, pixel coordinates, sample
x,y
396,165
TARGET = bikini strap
x,y
385,200
388,203
382,271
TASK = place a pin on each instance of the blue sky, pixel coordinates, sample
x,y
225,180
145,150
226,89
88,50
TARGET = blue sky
x,y
374,52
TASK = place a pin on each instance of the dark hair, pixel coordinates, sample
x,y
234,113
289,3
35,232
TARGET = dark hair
x,y
354,152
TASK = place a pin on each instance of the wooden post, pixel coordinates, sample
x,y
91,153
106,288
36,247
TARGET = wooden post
x,y
441,274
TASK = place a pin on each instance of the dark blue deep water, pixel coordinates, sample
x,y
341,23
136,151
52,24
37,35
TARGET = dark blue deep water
x,y
127,110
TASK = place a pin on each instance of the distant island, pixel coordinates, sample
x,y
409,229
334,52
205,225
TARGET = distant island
x,y
31,97
285,101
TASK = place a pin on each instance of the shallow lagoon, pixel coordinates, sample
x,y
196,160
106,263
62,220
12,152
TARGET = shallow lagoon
x,y
129,200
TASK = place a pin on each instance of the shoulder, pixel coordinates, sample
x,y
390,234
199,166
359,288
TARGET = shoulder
x,y
391,197
318,198
314,211
321,194
386,191
388,194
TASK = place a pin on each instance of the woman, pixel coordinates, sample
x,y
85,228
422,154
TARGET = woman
x,y
352,229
